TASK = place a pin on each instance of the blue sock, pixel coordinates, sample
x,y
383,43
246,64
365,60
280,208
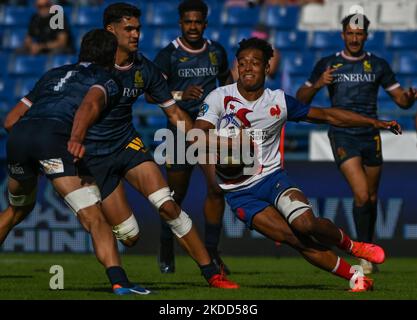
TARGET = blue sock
x,y
117,275
212,235
209,270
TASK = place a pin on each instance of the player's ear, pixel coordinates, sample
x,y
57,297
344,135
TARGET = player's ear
x,y
267,68
110,28
342,34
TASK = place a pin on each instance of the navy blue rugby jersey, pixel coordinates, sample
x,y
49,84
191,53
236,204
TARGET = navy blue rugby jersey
x,y
355,84
183,67
114,128
60,91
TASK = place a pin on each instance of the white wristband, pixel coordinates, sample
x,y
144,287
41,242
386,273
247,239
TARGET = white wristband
x,y
177,95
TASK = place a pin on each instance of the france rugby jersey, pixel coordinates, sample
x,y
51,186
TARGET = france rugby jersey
x,y
60,91
227,110
183,67
355,84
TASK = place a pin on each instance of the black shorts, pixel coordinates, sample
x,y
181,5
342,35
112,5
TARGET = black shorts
x,y
346,146
40,145
109,169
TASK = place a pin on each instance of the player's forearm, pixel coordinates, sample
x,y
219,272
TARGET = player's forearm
x,y
403,102
306,94
177,114
14,115
84,118
344,118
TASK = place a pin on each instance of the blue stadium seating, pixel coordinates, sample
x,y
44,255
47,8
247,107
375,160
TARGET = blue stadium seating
x,y
282,18
164,36
23,86
162,14
291,40
403,40
221,35
240,17
13,38
376,41
297,62
4,58
16,16
78,35
407,63
146,38
6,88
91,17
237,34
27,65
326,40
55,61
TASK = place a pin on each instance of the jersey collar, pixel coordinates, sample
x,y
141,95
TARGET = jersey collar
x,y
344,56
182,45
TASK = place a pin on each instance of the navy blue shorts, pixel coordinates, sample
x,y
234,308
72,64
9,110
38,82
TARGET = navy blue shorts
x,y
346,146
246,203
109,169
36,146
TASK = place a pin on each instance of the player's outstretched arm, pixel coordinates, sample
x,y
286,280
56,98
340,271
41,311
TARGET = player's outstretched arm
x,y
404,98
175,114
344,118
87,113
14,115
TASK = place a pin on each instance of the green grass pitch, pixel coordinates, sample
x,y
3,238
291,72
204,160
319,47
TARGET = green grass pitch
x,y
26,276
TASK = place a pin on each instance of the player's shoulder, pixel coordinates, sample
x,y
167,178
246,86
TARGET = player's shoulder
x,y
376,58
274,94
93,71
222,92
214,44
329,58
169,49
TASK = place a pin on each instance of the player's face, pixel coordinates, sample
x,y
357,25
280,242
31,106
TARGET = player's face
x,y
127,32
192,26
252,69
354,40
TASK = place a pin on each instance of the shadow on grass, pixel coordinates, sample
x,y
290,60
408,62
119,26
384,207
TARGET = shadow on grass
x,y
289,287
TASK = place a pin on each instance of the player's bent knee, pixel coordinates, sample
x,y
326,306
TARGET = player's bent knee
x,y
291,208
83,198
23,200
182,225
127,232
158,198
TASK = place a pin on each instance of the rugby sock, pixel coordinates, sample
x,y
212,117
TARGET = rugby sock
x,y
363,219
209,270
374,214
346,243
212,236
343,269
117,275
